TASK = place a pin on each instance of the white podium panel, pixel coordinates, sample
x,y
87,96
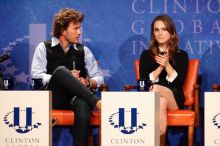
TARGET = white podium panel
x,y
130,119
212,118
25,118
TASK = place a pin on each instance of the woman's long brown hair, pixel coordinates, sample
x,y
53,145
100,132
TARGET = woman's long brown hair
x,y
172,43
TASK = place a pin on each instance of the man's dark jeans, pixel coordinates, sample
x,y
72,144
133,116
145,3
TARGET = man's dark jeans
x,y
64,88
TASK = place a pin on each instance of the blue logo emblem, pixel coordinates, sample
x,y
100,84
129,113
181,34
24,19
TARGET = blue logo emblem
x,y
12,119
120,118
216,120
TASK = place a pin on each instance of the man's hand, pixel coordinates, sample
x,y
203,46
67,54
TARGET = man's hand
x,y
84,81
75,73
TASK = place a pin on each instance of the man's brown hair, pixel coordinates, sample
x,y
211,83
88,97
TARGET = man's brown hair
x,y
62,19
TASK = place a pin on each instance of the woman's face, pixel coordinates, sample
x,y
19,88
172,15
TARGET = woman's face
x,y
161,34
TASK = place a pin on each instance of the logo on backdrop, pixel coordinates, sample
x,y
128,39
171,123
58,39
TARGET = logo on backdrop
x,y
119,116
216,120
12,120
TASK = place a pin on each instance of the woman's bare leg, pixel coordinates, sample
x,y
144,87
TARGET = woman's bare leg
x,y
167,102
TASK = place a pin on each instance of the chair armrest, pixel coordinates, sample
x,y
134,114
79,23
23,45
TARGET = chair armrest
x,y
196,105
103,87
129,87
215,87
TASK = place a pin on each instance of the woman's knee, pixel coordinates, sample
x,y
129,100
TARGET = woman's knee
x,y
155,88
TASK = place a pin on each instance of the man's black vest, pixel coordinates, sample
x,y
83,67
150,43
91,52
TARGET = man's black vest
x,y
57,57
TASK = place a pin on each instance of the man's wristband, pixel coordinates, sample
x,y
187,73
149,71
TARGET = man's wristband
x,y
90,83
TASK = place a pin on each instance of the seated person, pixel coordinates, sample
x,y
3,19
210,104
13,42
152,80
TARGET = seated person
x,y
70,70
165,65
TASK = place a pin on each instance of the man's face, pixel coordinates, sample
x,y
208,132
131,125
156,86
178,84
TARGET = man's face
x,y
72,33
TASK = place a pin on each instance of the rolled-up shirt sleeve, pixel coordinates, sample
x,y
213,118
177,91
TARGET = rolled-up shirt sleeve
x,y
94,71
39,63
